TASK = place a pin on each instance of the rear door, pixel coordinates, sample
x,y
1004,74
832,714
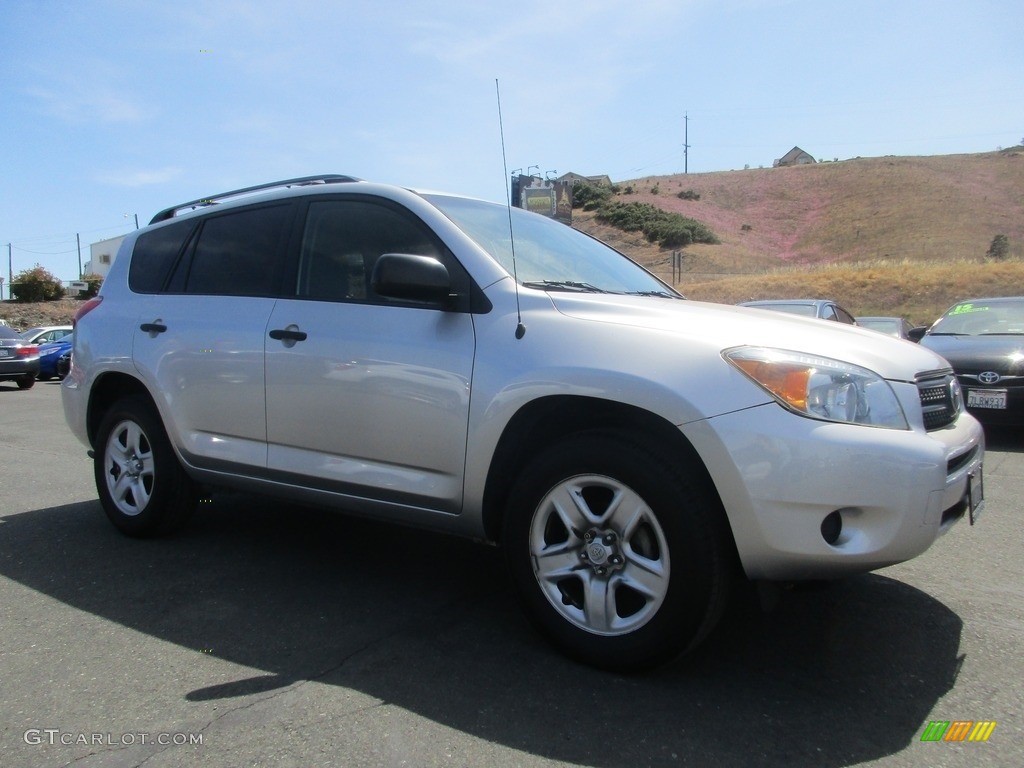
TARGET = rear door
x,y
199,338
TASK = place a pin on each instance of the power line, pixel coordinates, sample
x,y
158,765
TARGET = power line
x,y
63,237
44,253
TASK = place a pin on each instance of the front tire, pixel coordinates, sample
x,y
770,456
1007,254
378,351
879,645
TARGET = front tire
x,y
620,558
142,486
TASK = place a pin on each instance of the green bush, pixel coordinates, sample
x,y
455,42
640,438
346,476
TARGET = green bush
x,y
590,197
688,194
94,281
1000,248
669,234
36,284
669,230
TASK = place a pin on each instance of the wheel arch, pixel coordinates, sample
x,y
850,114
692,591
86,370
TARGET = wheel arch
x,y
545,420
105,392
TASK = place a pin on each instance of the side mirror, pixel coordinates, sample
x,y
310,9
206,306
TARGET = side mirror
x,y
411,278
916,334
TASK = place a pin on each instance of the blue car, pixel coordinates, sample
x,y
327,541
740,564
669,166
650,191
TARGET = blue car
x,y
48,354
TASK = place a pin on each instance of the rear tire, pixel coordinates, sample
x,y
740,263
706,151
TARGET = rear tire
x,y
621,559
26,382
141,484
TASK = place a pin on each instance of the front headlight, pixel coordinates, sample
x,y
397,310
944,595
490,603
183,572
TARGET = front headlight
x,y
820,387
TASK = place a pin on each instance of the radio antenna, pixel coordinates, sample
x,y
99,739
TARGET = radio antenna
x,y
520,328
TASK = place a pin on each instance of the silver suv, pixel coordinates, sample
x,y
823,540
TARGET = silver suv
x,y
457,365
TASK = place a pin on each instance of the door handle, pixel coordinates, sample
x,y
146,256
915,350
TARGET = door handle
x,y
156,327
287,334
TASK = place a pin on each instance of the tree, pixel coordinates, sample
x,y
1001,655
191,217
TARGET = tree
x,y
1000,248
94,281
36,284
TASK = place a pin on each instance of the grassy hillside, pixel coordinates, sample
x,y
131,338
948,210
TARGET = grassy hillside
x,y
916,291
889,235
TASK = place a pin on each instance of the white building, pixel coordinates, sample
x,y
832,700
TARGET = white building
x,y
102,255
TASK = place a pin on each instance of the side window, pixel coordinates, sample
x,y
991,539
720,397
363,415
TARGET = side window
x,y
844,317
155,254
343,240
237,254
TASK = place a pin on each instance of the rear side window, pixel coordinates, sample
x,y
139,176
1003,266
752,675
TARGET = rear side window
x,y
238,254
155,254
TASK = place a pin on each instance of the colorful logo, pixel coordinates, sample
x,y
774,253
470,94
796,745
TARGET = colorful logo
x,y
958,730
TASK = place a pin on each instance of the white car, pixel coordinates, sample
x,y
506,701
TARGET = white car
x,y
456,365
44,334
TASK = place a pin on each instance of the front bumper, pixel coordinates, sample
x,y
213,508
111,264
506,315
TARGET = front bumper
x,y
780,475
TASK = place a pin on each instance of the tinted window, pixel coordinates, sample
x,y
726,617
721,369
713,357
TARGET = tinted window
x,y
237,254
343,240
844,317
155,254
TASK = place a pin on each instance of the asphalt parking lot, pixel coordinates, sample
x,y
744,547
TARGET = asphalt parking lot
x,y
268,634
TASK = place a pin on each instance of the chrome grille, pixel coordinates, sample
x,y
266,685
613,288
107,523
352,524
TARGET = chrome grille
x,y
940,399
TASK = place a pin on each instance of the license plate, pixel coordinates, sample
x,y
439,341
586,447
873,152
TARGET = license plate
x,y
986,398
975,494
4,352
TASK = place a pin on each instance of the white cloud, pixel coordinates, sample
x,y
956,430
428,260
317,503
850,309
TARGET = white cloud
x,y
95,104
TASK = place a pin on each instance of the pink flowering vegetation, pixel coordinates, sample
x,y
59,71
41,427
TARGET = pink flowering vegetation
x,y
890,235
926,208
916,208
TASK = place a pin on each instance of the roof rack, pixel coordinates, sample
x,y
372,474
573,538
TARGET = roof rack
x,y
328,178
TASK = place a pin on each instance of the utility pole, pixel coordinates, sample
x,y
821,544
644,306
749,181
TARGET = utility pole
x,y
686,142
10,274
79,241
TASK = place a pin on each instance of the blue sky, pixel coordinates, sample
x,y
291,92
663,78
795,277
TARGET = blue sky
x,y
110,109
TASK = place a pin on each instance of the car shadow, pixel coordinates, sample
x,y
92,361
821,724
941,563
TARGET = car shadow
x,y
833,676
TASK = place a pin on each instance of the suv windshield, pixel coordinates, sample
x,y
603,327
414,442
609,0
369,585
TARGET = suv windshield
x,y
549,254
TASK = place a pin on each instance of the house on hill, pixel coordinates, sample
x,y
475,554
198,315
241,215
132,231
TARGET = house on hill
x,y
573,178
795,156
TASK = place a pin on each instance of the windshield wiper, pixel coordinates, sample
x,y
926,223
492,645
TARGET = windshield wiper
x,y
564,285
948,333
662,294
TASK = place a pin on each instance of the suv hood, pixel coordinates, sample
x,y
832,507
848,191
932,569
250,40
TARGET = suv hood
x,y
1004,353
726,326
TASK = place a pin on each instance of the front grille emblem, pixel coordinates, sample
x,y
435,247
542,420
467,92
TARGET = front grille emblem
x,y
989,377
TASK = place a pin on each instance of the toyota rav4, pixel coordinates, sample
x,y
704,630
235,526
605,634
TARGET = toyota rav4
x,y
462,366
